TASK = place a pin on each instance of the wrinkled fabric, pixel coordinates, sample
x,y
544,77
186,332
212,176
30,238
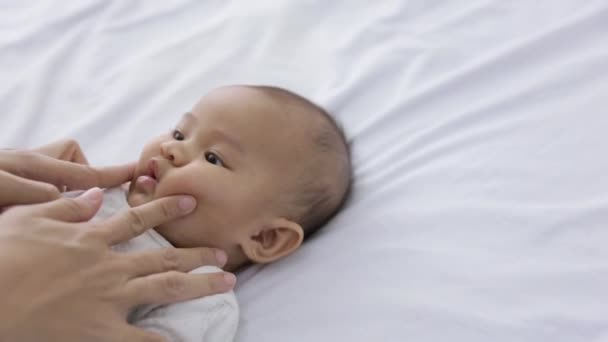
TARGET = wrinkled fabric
x,y
478,135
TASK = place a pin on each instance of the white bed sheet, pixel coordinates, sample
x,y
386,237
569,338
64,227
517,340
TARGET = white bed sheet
x,y
479,134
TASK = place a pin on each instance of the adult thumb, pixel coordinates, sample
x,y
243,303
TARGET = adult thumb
x,y
79,209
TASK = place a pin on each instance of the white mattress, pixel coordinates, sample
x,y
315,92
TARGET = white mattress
x,y
479,133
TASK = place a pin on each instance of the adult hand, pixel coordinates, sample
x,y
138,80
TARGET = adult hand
x,y
66,149
60,281
41,174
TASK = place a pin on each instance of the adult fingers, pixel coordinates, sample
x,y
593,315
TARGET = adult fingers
x,y
79,157
111,176
135,334
85,176
135,221
43,168
17,190
174,259
72,152
81,208
66,149
173,286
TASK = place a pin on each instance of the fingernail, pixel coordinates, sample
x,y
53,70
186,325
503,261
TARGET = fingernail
x,y
186,204
93,195
230,279
221,257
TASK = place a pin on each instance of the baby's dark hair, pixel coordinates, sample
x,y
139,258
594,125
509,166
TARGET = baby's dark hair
x,y
324,184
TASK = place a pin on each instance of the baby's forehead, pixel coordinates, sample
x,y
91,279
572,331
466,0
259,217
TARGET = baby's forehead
x,y
234,105
236,102
256,118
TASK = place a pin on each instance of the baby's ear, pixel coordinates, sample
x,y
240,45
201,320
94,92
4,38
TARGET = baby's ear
x,y
278,239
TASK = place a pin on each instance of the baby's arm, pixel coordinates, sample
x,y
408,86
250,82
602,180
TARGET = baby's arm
x,y
207,319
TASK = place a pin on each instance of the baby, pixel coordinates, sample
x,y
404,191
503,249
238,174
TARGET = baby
x,y
267,168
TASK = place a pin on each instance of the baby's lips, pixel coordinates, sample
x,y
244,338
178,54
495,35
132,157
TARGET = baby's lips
x,y
153,168
146,183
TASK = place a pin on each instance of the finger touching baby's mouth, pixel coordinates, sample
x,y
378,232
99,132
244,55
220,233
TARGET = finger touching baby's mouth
x,y
149,179
153,169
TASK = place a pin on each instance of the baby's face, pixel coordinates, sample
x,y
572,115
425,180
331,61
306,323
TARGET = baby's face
x,y
230,152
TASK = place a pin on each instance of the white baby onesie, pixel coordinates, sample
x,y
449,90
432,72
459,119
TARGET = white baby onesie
x,y
206,319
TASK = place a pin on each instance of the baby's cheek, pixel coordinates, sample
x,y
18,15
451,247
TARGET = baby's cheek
x,y
188,231
207,185
179,185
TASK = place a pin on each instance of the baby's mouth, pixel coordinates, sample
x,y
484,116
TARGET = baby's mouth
x,y
148,181
153,169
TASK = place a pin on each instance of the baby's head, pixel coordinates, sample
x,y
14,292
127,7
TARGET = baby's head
x,y
267,167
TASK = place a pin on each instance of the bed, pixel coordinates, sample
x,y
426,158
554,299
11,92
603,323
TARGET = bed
x,y
478,132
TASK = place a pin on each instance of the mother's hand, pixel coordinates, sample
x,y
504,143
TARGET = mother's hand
x,y
41,174
60,280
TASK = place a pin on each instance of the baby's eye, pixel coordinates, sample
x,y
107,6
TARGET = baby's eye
x,y
213,159
177,135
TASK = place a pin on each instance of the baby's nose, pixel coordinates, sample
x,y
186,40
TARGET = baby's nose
x,y
172,153
166,152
